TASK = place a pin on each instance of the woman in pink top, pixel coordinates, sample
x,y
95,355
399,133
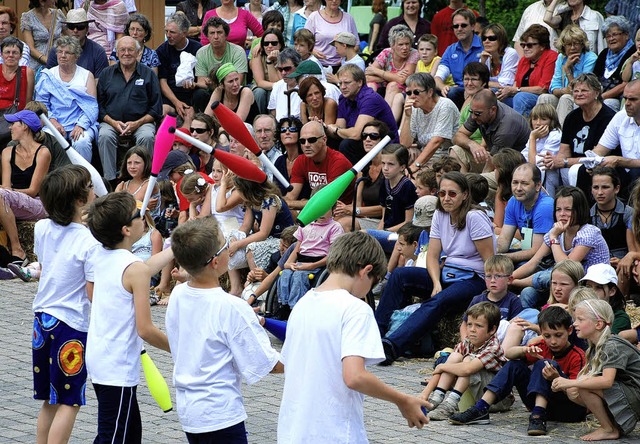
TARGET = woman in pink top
x,y
239,21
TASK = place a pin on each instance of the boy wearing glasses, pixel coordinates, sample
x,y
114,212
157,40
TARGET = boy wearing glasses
x,y
120,315
212,355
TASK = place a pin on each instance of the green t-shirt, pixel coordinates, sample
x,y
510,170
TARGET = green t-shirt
x,y
621,321
205,60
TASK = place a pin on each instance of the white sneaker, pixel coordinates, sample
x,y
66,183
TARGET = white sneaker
x,y
444,410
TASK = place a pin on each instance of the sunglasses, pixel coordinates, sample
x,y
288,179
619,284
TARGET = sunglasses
x,y
461,25
198,130
285,68
135,216
291,129
224,247
528,45
476,113
270,43
372,136
310,140
415,92
443,193
78,26
491,38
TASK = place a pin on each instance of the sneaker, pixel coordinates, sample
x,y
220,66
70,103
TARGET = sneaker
x,y
377,290
537,426
444,411
22,272
435,399
472,415
5,274
153,300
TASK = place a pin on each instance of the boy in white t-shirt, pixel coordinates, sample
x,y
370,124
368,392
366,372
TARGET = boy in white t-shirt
x,y
61,306
120,316
347,46
216,339
325,383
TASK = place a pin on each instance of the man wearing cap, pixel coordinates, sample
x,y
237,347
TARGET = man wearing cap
x,y
529,211
347,47
130,104
218,52
358,105
319,166
93,57
284,99
176,98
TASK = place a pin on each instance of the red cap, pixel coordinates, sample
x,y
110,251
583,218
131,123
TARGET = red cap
x,y
182,141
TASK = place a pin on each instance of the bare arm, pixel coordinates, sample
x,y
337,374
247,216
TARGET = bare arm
x,y
461,369
246,100
42,167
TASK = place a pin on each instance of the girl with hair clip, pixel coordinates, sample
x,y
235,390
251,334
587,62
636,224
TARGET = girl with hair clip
x,y
546,133
609,385
571,237
265,209
134,173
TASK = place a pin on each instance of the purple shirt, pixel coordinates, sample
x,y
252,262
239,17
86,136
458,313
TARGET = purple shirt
x,y
458,245
370,103
589,236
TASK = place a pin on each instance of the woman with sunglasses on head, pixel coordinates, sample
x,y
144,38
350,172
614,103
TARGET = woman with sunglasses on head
x,y
429,119
229,91
263,67
534,73
500,58
368,209
315,106
288,133
464,234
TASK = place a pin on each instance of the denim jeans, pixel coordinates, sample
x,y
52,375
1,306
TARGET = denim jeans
x,y
535,297
453,297
522,102
456,95
531,383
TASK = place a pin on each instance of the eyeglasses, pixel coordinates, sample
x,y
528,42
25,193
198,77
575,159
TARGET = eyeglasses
x,y
528,45
470,79
443,193
415,92
78,26
461,25
372,136
491,277
135,216
613,35
291,129
270,43
310,140
198,130
285,68
491,38
224,247
476,113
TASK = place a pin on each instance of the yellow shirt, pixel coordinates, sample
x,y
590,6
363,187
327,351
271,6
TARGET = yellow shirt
x,y
421,67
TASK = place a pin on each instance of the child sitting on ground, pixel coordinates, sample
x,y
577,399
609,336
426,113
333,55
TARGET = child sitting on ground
x,y
330,376
211,357
472,365
551,358
308,257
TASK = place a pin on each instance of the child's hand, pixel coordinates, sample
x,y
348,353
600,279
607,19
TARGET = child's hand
x,y
437,288
411,408
438,370
557,229
233,246
549,372
522,323
540,132
341,210
533,351
561,384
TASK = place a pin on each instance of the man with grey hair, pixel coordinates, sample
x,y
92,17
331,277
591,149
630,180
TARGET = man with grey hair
x,y
284,100
130,104
176,98
264,127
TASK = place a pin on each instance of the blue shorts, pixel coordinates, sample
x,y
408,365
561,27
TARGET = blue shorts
x,y
59,371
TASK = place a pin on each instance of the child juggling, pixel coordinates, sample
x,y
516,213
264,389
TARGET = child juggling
x,y
120,315
609,384
473,363
61,306
330,376
551,358
210,357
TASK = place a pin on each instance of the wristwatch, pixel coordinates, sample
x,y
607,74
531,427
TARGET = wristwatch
x,y
554,241
418,164
517,89
358,211
566,162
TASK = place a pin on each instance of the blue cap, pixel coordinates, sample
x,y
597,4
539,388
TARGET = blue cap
x,y
27,117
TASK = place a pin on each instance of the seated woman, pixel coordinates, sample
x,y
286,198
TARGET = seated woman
x,y
500,58
574,59
430,119
534,73
464,234
571,237
287,134
393,65
229,91
368,209
475,77
23,168
315,106
69,93
263,67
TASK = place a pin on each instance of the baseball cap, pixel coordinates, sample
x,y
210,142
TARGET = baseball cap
x,y
423,211
347,38
306,67
27,117
602,274
174,159
182,141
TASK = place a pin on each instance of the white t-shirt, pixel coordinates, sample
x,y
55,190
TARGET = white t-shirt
x,y
278,101
317,406
113,344
229,220
355,60
63,253
215,340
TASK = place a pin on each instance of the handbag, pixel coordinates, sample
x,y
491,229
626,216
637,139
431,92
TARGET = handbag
x,y
5,131
452,274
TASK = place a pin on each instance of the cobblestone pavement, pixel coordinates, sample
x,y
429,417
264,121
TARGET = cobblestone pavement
x,y
383,421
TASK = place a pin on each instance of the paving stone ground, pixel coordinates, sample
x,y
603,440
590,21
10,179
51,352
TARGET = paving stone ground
x,y
18,411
